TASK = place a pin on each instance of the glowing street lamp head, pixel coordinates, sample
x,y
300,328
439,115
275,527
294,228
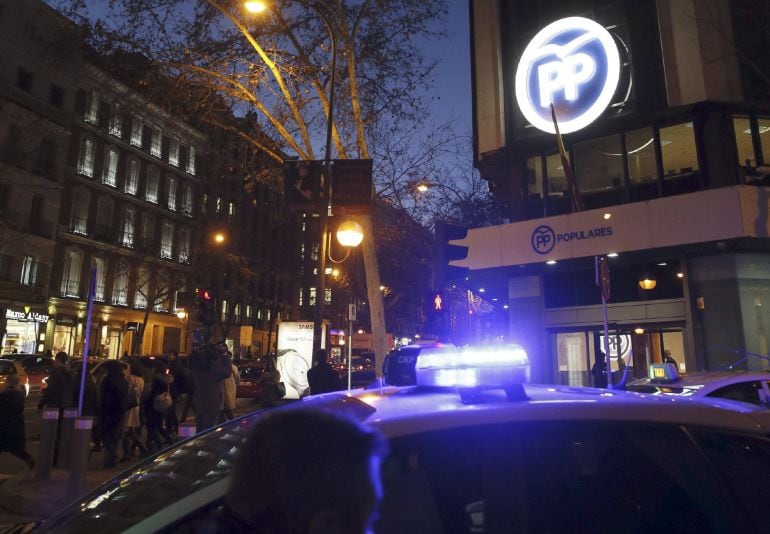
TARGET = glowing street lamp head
x,y
350,234
219,237
422,187
255,6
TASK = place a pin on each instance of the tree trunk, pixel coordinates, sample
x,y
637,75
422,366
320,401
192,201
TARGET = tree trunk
x,y
374,295
136,343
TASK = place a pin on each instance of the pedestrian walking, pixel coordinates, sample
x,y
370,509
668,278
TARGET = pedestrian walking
x,y
172,422
322,377
133,425
113,394
156,407
90,402
182,387
209,366
229,391
12,430
270,384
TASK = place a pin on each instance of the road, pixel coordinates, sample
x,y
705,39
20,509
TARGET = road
x,y
10,465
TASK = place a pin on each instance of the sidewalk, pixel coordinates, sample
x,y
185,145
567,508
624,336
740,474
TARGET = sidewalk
x,y
25,499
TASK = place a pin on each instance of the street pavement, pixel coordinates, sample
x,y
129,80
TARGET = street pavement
x,y
24,499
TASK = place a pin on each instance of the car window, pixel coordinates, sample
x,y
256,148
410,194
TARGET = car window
x,y
552,477
744,462
250,373
743,391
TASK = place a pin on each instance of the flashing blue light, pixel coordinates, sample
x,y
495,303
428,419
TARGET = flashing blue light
x,y
472,366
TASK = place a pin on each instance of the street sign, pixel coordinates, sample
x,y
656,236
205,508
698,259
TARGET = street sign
x,y
302,184
353,190
351,312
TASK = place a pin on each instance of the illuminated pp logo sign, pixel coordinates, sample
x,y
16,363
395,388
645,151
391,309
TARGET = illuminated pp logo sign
x,y
572,63
543,239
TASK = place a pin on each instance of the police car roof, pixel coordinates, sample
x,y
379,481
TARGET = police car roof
x,y
405,410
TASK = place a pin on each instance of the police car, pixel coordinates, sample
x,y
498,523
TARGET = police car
x,y
475,449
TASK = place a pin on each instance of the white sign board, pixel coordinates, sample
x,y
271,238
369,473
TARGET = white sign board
x,y
295,355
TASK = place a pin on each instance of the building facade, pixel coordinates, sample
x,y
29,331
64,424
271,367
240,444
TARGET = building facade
x,y
664,114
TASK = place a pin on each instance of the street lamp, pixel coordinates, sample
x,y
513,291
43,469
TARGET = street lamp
x,y
322,10
350,234
181,313
219,238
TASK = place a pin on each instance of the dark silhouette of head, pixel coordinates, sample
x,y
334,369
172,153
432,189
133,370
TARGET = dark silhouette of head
x,y
61,357
303,471
320,356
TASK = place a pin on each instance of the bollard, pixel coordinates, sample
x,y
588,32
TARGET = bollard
x,y
79,450
186,430
47,443
65,438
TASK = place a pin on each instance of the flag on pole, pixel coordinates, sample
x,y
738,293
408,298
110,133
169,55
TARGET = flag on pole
x,y
577,202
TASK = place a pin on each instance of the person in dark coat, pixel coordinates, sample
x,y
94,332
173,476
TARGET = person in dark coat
x,y
12,431
157,436
182,386
322,377
90,401
210,365
113,396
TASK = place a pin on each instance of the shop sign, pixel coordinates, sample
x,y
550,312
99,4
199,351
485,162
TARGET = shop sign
x,y
544,239
574,64
26,316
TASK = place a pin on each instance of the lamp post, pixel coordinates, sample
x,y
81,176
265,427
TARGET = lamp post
x,y
322,9
183,316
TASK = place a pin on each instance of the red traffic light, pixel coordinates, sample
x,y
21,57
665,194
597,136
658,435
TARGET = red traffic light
x,y
204,294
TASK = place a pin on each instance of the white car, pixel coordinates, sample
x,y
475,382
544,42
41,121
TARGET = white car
x,y
472,449
750,387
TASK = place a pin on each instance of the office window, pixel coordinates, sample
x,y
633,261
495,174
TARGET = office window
x,y
46,156
148,231
173,152
120,285
132,176
248,311
225,308
81,201
162,292
764,137
127,229
259,314
171,193
56,95
101,279
104,210
91,113
151,187
219,204
187,200
599,164
640,145
86,157
677,144
24,79
136,131
142,288
534,179
184,245
327,296
167,240
110,169
28,271
557,179
156,142
191,160
70,282
311,296
301,297
116,122
231,209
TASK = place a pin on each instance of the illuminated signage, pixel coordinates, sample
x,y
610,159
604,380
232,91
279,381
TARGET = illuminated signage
x,y
544,239
573,63
27,317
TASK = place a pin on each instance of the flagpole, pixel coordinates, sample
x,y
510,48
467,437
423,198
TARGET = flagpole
x,y
577,202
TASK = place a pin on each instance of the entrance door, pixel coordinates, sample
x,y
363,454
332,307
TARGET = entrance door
x,y
652,342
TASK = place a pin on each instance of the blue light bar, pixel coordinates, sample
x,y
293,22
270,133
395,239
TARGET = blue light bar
x,y
472,367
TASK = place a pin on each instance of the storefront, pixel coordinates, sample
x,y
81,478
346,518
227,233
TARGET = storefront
x,y
25,331
64,334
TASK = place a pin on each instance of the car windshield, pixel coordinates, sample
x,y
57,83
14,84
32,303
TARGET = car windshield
x,y
181,471
250,372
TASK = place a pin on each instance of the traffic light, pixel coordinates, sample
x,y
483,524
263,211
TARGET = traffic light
x,y
204,307
444,274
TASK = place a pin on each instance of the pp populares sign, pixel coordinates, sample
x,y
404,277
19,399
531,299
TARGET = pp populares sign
x,y
573,63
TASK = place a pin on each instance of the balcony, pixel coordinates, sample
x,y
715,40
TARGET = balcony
x,y
22,222
23,280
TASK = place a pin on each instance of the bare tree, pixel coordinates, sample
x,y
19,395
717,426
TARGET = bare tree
x,y
154,289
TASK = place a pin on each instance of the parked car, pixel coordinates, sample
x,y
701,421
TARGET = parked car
x,y
664,379
248,386
38,368
12,367
362,370
473,449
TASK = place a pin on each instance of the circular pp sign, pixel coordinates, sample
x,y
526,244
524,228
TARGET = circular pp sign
x,y
572,63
